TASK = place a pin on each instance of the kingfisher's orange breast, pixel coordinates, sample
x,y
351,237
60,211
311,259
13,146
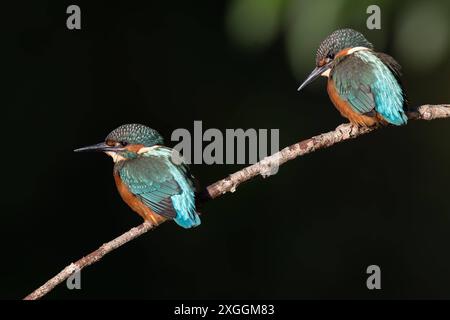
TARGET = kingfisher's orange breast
x,y
347,111
135,203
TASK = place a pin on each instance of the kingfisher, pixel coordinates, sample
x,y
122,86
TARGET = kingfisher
x,y
364,85
152,179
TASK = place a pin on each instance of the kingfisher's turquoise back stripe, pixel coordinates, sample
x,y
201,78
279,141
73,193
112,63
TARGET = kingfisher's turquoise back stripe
x,y
165,187
367,83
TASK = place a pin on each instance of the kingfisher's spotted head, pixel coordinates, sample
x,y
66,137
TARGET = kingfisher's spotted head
x,y
127,141
134,134
340,43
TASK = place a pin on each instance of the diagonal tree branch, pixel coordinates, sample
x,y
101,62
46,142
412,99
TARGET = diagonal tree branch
x,y
264,168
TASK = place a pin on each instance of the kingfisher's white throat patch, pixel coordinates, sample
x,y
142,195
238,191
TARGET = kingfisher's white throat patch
x,y
326,73
115,156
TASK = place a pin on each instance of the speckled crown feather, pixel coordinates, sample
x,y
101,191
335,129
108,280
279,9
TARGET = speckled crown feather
x,y
136,134
339,40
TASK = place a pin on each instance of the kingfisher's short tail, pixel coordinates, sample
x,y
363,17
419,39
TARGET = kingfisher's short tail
x,y
188,221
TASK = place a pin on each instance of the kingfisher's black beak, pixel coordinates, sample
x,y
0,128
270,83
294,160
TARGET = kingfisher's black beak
x,y
99,147
314,75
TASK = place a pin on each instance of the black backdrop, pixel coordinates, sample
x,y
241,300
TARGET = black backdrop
x,y
308,232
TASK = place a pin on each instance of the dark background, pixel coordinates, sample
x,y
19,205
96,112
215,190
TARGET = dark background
x,y
310,231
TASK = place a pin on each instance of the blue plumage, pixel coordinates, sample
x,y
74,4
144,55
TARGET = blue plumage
x,y
183,201
369,85
388,93
167,188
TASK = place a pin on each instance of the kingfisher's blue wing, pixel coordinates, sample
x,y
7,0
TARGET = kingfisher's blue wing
x,y
369,85
167,188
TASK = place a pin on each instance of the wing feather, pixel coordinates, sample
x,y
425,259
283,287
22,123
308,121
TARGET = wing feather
x,y
371,84
166,188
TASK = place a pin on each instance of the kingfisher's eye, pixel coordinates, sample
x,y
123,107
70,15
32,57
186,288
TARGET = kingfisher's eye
x,y
330,56
123,143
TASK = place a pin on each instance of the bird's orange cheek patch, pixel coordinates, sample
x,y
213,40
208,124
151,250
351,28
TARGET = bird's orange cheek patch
x,y
342,53
134,147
